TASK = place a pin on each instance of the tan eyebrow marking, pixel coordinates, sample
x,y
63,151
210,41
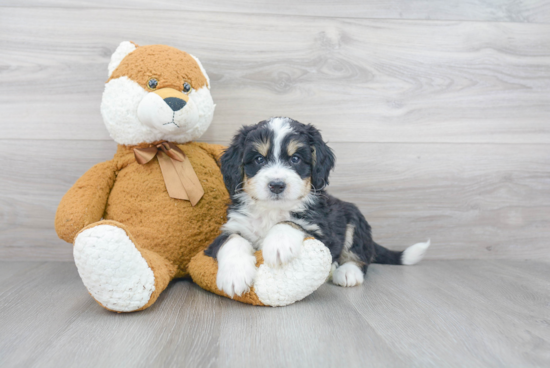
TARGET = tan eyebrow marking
x,y
293,147
262,147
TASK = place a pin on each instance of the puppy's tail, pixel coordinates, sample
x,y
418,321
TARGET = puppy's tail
x,y
409,256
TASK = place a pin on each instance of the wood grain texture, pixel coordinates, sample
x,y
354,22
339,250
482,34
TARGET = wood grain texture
x,y
358,80
472,200
490,313
474,10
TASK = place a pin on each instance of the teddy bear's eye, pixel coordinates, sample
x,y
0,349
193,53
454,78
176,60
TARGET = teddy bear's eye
x,y
186,87
152,83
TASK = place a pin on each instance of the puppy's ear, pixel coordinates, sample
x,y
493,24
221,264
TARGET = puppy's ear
x,y
232,161
322,158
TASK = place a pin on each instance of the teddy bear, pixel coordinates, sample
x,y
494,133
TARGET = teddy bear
x,y
145,217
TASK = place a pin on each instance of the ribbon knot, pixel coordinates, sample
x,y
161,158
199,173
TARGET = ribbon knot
x,y
179,177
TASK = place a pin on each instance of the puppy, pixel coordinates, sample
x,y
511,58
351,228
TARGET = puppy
x,y
276,173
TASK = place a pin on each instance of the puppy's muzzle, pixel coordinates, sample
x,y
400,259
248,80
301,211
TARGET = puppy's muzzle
x,y
176,100
276,187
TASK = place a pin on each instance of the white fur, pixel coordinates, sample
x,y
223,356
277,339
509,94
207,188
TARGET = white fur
x,y
119,107
236,266
254,219
296,187
295,280
202,70
112,269
282,243
414,253
281,128
348,274
120,53
157,115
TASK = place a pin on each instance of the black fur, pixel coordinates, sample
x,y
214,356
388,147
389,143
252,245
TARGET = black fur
x,y
324,158
331,215
213,249
232,161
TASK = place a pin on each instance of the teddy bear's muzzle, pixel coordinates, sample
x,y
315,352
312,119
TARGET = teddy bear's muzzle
x,y
175,99
175,103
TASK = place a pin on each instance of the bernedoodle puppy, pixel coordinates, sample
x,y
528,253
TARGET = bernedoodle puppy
x,y
276,173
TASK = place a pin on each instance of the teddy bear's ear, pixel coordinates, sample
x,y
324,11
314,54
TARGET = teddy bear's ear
x,y
202,70
120,53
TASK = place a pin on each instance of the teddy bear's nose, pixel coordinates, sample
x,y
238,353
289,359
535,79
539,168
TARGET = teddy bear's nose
x,y
175,103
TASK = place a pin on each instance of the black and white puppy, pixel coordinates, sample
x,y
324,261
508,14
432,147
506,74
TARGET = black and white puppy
x,y
276,173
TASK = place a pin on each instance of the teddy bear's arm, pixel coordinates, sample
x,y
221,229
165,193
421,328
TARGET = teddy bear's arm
x,y
215,150
85,202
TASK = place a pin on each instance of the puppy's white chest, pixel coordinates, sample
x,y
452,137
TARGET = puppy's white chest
x,y
262,224
255,223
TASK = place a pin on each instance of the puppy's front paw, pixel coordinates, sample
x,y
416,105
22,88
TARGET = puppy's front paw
x,y
236,278
282,244
236,267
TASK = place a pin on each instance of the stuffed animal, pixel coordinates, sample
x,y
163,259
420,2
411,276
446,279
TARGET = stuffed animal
x,y
145,217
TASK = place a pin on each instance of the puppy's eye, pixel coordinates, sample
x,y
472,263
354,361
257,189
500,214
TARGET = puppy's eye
x,y
260,160
186,87
152,83
295,159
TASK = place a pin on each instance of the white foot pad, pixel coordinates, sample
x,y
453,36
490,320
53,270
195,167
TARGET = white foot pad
x,y
295,280
112,269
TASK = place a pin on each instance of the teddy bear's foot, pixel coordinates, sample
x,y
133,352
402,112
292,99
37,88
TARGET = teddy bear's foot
x,y
113,269
273,286
280,286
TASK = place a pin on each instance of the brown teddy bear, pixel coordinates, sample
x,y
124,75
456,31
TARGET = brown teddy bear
x,y
145,217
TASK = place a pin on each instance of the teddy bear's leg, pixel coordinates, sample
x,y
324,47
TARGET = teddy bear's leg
x,y
273,286
119,274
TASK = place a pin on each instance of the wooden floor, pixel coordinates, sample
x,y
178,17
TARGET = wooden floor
x,y
471,313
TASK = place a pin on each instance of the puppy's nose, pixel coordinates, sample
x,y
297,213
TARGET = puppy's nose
x,y
276,186
175,103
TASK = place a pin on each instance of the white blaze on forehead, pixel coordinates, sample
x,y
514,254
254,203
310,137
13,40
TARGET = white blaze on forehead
x,y
281,128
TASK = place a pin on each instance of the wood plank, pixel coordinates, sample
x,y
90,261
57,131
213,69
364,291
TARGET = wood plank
x,y
35,309
180,330
359,80
456,310
15,269
323,330
516,11
438,313
472,200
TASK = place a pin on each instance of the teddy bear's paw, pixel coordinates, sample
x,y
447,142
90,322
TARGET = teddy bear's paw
x,y
280,286
112,269
282,244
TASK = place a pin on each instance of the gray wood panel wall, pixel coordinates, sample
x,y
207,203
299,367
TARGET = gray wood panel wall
x,y
439,112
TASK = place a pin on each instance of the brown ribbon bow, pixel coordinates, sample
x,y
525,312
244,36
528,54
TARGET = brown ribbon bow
x,y
179,177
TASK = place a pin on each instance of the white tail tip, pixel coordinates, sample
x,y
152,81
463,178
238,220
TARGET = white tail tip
x,y
414,253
